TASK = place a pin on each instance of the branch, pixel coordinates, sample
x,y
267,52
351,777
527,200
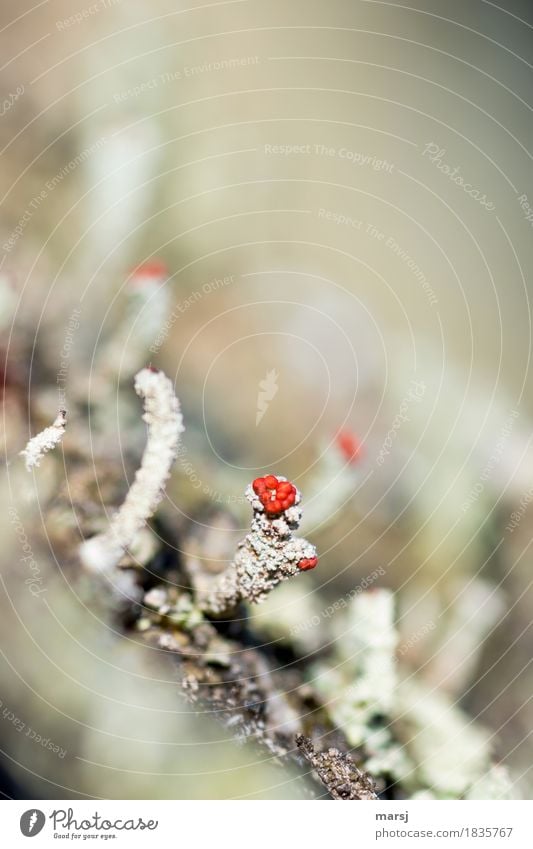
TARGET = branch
x,y
337,772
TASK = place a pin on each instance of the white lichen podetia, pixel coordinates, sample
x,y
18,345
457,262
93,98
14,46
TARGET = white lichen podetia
x,y
268,555
146,304
39,445
165,426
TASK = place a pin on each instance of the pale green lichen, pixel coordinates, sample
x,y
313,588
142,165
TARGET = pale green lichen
x,y
449,750
495,784
365,678
409,732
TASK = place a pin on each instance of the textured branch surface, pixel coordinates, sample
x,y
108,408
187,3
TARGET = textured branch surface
x,y
269,554
165,425
44,441
337,772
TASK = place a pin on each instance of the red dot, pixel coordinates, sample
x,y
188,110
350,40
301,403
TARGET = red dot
x,y
350,446
307,563
152,268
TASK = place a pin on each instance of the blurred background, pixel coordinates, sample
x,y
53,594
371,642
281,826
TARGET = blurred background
x,y
332,206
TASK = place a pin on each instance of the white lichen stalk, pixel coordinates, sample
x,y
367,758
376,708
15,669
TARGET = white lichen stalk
x,y
39,445
117,176
450,751
8,300
145,305
360,688
335,483
475,611
268,555
366,675
165,425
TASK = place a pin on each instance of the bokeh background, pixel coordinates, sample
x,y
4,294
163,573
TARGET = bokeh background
x,y
340,192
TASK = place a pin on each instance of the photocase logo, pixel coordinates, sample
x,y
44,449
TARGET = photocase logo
x,y
268,389
32,822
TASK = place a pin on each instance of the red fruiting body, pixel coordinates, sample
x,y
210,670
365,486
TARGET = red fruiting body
x,y
307,563
155,269
275,495
349,445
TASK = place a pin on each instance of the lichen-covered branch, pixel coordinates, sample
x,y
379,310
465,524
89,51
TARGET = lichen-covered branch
x,y
269,554
44,441
337,772
165,425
